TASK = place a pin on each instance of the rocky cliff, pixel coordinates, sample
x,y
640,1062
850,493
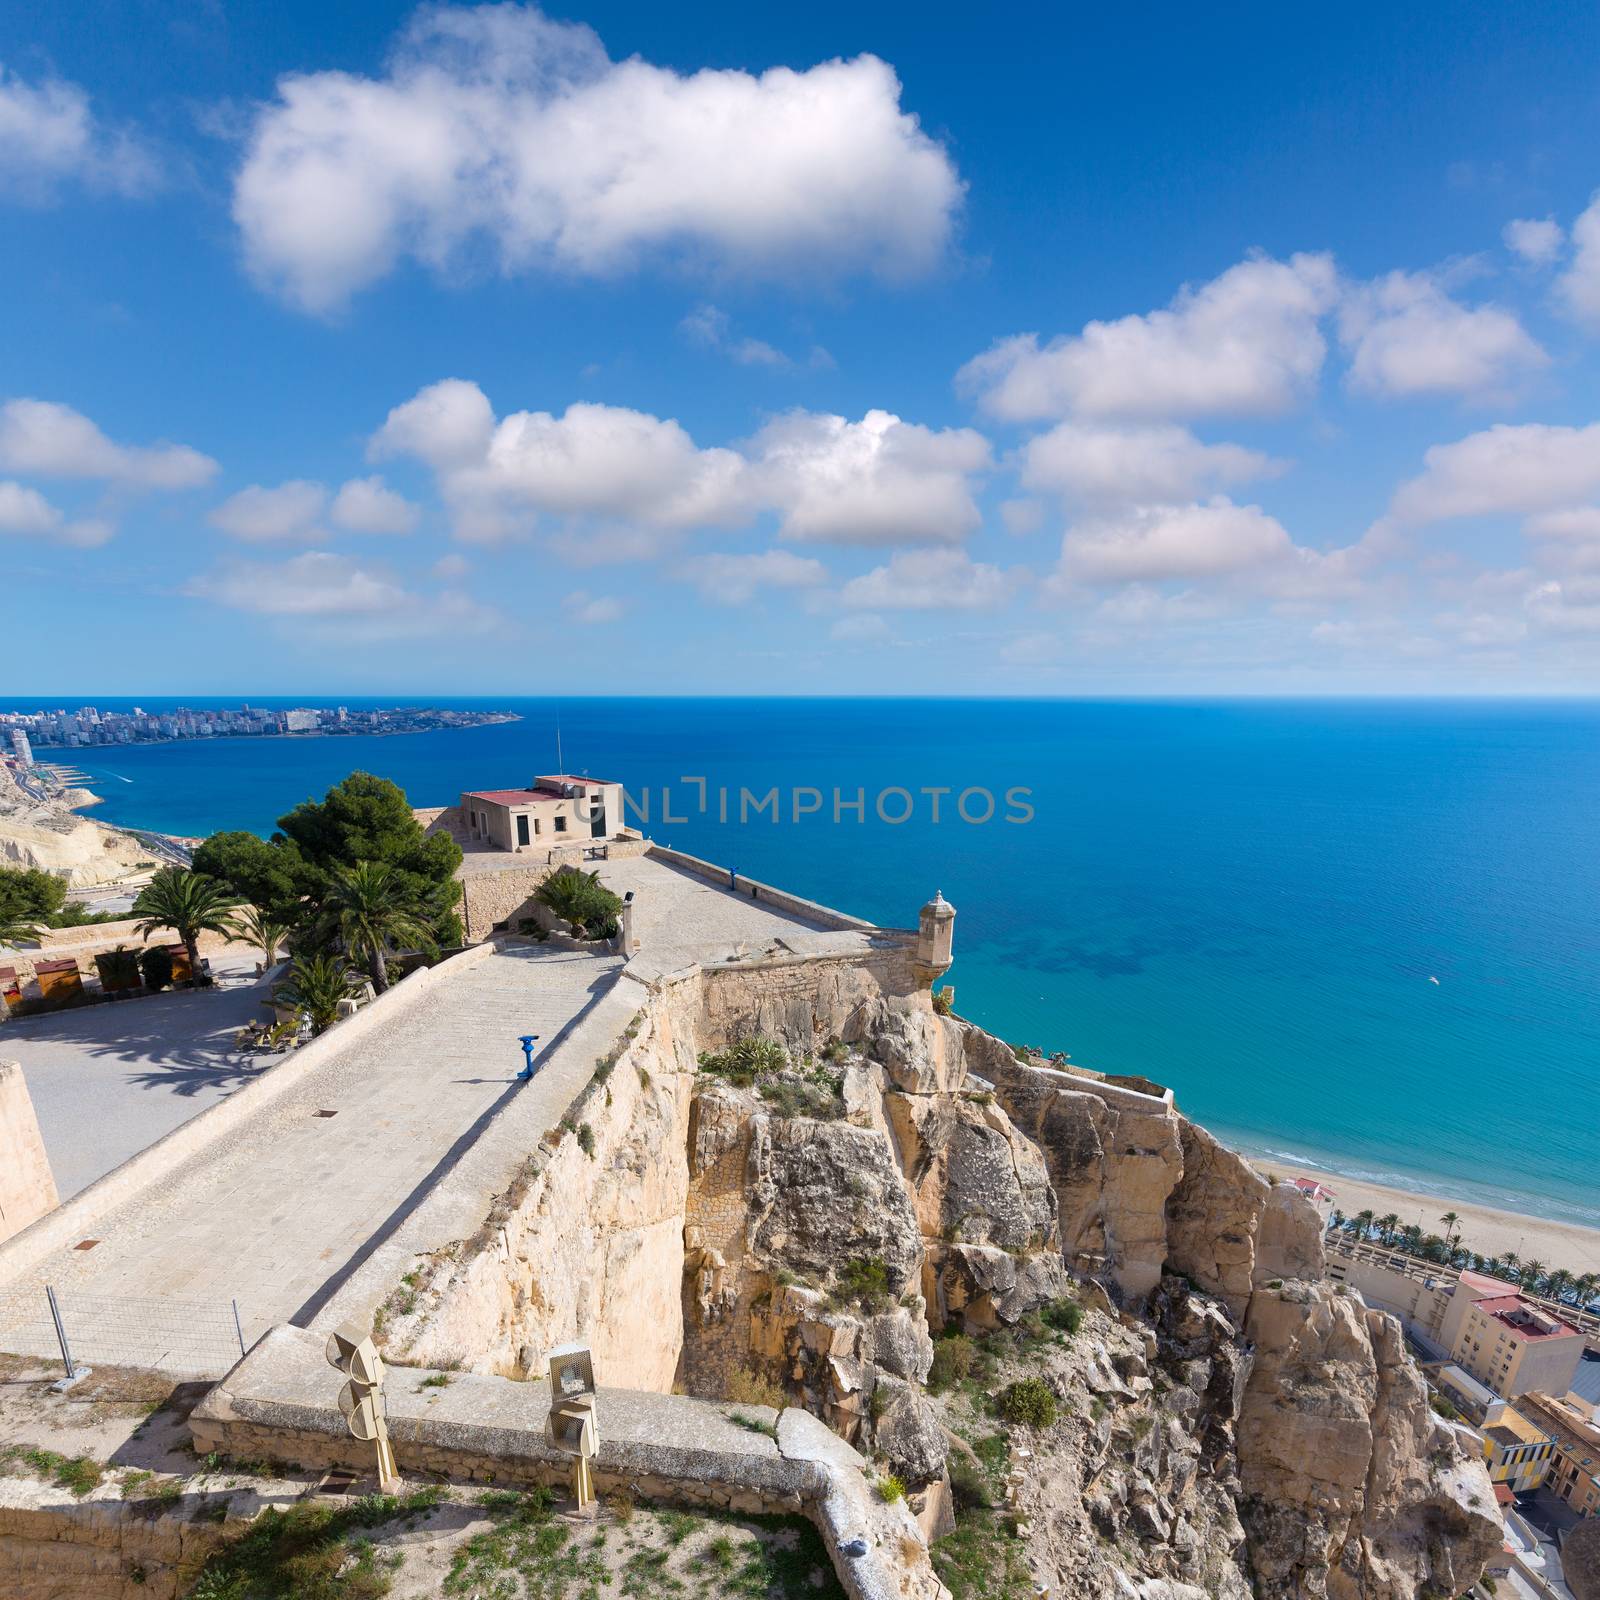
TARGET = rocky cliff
x,y
891,1219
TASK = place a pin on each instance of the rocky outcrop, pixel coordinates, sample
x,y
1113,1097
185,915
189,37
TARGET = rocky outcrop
x,y
1231,1425
1351,1486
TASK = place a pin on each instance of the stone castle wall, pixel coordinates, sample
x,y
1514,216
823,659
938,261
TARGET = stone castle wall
x,y
27,1186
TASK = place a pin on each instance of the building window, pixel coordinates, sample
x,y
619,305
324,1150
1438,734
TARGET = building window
x,y
561,824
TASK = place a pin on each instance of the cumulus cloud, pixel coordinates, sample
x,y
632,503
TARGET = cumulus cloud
x,y
1246,343
24,510
259,515
1536,241
319,586
1098,464
1407,336
876,481
496,128
930,580
1579,286
49,134
732,580
1511,468
1156,543
49,440
369,505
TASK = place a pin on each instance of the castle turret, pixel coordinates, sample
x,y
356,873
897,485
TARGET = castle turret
x,y
935,929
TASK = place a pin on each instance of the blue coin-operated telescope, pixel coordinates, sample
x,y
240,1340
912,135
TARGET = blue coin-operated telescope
x,y
527,1042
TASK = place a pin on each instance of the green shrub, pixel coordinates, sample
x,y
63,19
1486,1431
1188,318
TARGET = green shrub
x,y
952,1362
743,1062
864,1281
1029,1401
586,1139
1064,1315
944,1001
891,1488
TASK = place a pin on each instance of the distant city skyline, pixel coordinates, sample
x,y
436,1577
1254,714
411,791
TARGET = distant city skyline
x,y
418,352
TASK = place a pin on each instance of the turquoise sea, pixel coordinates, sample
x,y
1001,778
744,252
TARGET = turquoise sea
x,y
1247,900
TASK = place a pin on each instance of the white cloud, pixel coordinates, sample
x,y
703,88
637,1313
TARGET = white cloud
x,y
1566,605
1247,343
368,505
594,460
930,580
260,516
1574,522
1021,516
450,567
1155,543
319,587
50,440
828,479
24,510
732,580
865,627
708,326
497,126
1579,285
49,134
1099,464
878,481
593,609
1538,242
1507,469
1407,336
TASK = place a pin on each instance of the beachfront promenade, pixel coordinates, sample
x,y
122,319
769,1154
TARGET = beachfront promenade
x,y
280,1210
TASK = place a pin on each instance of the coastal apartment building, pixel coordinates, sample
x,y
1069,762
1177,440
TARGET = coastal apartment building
x,y
1573,1470
1516,1450
1510,1344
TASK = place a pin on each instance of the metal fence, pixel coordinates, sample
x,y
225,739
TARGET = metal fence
x,y
187,1338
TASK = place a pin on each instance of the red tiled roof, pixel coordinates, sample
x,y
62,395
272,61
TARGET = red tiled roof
x,y
1502,1493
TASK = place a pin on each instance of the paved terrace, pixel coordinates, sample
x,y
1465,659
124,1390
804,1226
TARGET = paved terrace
x,y
281,1210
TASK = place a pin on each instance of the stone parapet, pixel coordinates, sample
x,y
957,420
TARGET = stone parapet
x,y
278,1404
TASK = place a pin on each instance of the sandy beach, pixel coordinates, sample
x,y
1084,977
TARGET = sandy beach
x,y
1484,1229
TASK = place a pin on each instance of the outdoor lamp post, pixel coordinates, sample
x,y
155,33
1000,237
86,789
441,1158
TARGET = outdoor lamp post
x,y
527,1041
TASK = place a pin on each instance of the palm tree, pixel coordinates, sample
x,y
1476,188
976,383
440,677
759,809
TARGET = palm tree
x,y
190,904
1452,1222
1387,1223
263,930
316,985
1363,1223
1559,1284
1532,1272
17,928
366,907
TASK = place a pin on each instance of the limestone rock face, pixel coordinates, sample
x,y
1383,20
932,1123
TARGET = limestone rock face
x,y
1113,1163
1289,1240
827,1193
1353,1489
981,1287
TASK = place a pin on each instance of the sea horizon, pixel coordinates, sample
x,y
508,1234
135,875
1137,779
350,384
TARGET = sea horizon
x,y
1350,932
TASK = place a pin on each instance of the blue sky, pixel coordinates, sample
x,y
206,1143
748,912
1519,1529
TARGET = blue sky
x,y
815,350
